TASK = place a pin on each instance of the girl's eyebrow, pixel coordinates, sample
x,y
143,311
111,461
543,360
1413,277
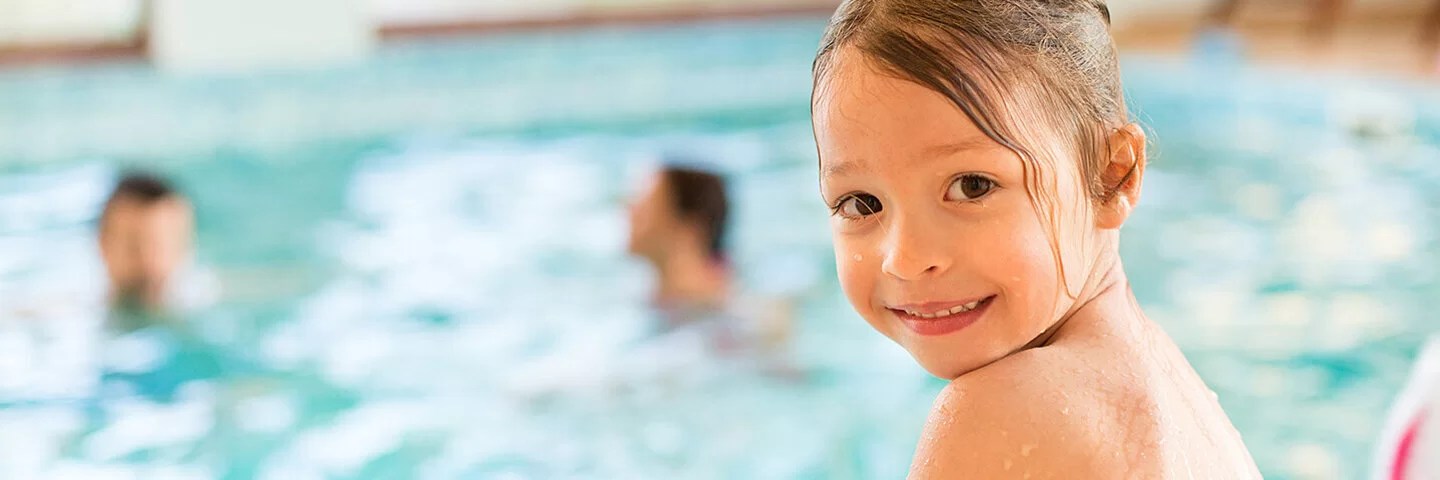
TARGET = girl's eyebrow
x,y
967,144
840,169
976,142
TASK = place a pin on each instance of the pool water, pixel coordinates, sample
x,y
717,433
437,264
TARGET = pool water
x,y
421,270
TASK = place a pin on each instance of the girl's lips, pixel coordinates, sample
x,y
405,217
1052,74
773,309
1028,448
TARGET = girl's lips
x,y
941,318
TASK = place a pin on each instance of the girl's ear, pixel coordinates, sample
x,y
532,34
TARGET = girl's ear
x,y
1122,176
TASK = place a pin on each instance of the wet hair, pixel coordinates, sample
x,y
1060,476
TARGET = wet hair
x,y
979,53
699,196
1023,71
144,188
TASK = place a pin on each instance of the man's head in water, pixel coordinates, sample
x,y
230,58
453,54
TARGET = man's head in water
x,y
145,234
979,161
677,224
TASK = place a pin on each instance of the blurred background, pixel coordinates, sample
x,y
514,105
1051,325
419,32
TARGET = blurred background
x,y
411,223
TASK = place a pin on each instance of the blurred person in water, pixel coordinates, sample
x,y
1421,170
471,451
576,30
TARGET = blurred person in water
x,y
146,239
679,218
96,328
677,225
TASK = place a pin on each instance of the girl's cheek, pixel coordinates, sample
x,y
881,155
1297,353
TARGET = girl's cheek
x,y
847,260
858,267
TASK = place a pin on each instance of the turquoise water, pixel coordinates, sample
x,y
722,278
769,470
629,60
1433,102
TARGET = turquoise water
x,y
421,270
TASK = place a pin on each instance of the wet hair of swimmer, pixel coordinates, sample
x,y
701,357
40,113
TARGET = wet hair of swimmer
x,y
699,197
143,188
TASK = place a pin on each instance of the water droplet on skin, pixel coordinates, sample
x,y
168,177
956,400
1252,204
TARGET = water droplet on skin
x,y
1065,411
859,257
1025,449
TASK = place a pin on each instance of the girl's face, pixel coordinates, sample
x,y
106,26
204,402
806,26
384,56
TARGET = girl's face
x,y
938,243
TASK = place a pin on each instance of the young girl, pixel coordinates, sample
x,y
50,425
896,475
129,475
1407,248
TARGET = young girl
x,y
979,162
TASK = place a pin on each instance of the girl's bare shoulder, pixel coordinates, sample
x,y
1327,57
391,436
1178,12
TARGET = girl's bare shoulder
x,y
1041,413
1090,406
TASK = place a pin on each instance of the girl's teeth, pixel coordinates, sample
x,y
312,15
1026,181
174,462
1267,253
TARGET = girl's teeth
x,y
945,313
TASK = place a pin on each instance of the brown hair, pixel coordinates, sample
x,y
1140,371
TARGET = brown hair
x,y
699,197
980,53
144,188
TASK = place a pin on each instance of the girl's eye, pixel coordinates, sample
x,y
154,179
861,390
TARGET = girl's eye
x,y
859,205
970,186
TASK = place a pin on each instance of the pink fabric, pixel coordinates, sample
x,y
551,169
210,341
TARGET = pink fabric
x,y
1407,444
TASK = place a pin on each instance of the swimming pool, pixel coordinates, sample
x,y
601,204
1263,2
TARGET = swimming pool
x,y
422,268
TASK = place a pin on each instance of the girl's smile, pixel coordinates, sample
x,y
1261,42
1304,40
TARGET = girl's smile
x,y
940,318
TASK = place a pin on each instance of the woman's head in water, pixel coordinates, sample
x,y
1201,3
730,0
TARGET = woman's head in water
x,y
677,224
978,160
680,208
